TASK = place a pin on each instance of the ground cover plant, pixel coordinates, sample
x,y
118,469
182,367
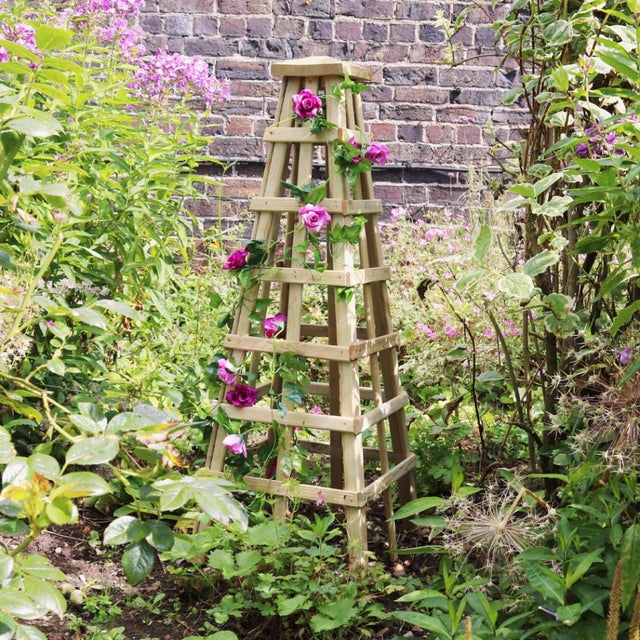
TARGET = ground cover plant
x,y
520,339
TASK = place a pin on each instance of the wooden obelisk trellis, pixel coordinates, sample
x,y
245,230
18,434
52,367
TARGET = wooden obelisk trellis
x,y
357,347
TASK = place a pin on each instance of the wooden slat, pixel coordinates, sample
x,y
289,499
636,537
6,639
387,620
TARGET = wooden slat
x,y
400,470
330,277
324,449
332,205
384,410
303,135
323,331
305,491
365,348
321,66
306,349
322,389
323,422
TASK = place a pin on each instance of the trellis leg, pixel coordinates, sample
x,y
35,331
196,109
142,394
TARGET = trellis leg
x,y
346,334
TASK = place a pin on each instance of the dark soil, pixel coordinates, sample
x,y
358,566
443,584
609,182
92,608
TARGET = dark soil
x,y
97,574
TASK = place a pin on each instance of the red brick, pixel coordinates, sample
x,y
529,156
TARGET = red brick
x,y
468,134
286,26
402,32
240,69
259,7
205,25
383,131
238,7
259,27
239,126
232,26
348,29
184,6
439,133
429,95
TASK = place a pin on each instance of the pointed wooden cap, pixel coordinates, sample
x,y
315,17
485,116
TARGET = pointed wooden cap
x,y
320,66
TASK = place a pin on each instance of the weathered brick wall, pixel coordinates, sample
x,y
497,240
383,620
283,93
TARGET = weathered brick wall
x,y
433,117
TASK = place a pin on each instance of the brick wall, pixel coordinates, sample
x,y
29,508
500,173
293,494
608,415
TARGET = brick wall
x,y
433,117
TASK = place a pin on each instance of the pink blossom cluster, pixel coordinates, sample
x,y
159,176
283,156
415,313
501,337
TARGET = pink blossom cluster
x,y
172,74
22,34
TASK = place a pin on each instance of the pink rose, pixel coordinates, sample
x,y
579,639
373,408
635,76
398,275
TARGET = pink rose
x,y
236,260
306,104
242,396
235,444
274,326
314,217
377,154
224,373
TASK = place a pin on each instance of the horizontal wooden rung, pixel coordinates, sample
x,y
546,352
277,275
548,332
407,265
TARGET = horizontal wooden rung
x,y
301,135
383,411
330,352
268,416
332,205
324,448
322,389
332,278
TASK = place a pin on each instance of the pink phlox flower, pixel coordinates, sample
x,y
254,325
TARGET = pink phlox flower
x,y
354,143
490,295
169,74
489,334
377,154
314,217
242,396
236,444
236,260
226,371
316,410
428,331
450,331
624,356
306,104
320,500
275,325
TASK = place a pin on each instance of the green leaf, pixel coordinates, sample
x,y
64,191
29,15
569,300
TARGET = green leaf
x,y
558,32
48,38
18,604
579,565
124,530
222,560
88,316
470,279
6,262
417,506
540,263
38,567
542,185
548,584
93,451
119,307
422,594
172,496
629,554
44,465
62,510
518,285
7,626
624,316
483,242
160,535
559,304
137,562
46,595
27,632
423,621
317,194
55,365
288,605
80,484
85,423
43,126
6,566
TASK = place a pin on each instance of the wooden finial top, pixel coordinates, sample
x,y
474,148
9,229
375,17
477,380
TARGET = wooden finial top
x,y
320,66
